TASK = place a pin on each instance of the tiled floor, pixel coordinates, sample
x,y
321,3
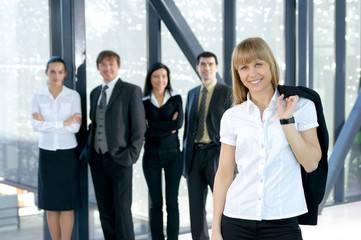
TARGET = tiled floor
x,y
342,222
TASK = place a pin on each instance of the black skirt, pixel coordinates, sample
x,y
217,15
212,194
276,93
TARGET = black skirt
x,y
58,180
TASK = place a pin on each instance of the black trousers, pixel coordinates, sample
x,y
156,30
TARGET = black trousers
x,y
113,191
239,229
201,175
153,164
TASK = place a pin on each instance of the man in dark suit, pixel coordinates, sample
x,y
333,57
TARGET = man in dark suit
x,y
116,134
205,106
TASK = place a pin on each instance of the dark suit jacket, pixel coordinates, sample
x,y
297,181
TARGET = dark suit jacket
x,y
314,183
221,100
124,121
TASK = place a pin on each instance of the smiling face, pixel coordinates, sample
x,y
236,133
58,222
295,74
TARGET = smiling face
x,y
207,69
56,74
109,68
256,76
254,69
159,80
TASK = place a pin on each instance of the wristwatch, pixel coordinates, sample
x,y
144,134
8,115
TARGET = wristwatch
x,y
287,121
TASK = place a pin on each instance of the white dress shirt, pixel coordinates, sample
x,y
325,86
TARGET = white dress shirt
x,y
53,134
154,101
108,91
268,184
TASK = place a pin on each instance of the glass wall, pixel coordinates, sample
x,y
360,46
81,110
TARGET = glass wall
x,y
24,51
119,26
122,29
353,61
183,78
259,18
205,21
323,62
353,68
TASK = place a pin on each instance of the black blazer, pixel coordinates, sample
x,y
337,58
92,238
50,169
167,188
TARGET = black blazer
x,y
314,183
124,121
221,100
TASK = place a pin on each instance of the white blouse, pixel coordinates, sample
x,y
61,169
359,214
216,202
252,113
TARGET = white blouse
x,y
268,184
154,101
53,135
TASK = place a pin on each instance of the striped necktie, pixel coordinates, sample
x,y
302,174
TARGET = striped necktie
x,y
201,115
103,100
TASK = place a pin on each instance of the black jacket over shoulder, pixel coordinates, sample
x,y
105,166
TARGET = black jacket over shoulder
x,y
314,183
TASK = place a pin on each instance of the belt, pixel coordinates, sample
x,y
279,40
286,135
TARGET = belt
x,y
204,145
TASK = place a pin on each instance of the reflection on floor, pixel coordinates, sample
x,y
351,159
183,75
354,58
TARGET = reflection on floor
x,y
341,222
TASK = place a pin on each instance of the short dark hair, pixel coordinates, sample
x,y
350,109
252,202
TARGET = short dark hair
x,y
107,54
148,86
55,59
206,55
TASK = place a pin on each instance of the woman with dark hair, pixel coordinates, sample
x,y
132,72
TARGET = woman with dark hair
x,y
56,114
164,114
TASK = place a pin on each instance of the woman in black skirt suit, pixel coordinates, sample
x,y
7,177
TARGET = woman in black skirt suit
x,y
164,114
56,114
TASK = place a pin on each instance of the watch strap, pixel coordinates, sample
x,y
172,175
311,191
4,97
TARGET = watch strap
x,y
287,121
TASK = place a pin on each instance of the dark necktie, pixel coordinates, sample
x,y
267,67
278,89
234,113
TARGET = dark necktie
x,y
103,100
201,115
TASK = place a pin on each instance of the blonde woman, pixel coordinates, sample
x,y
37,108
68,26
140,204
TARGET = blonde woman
x,y
268,137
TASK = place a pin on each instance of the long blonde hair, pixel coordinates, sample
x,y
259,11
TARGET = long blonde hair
x,y
245,52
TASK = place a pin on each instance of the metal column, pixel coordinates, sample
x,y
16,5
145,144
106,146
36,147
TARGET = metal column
x,y
181,32
67,34
154,48
229,38
305,43
290,42
340,59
